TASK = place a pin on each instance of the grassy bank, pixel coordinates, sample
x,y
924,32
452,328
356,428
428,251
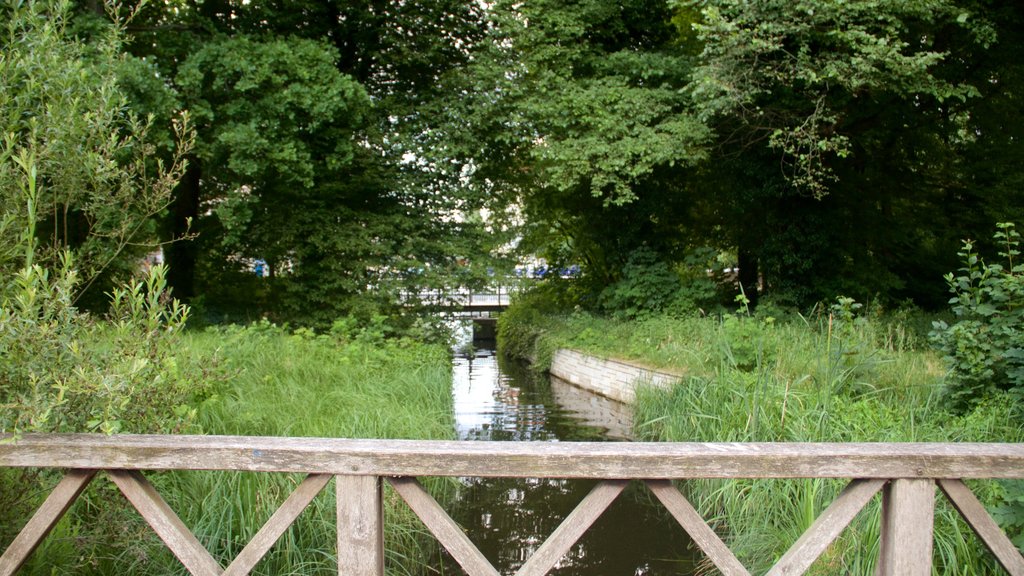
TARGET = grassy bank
x,y
283,384
833,375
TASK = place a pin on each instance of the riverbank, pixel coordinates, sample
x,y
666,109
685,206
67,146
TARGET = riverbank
x,y
612,379
829,377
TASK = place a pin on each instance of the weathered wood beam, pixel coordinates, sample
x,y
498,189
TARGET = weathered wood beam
x,y
908,518
699,531
597,460
360,511
984,526
282,518
176,536
441,525
826,528
570,530
45,518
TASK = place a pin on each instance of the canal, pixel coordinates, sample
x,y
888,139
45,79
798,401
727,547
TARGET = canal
x,y
508,519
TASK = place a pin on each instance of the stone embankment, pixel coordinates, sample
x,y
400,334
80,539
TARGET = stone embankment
x,y
609,378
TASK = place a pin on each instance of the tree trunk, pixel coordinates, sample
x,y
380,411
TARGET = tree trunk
x,y
181,254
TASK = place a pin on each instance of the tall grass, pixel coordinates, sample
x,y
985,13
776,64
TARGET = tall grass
x,y
283,384
301,385
830,376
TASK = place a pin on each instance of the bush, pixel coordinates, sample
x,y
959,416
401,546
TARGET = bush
x,y
66,372
63,371
985,346
522,325
78,192
648,285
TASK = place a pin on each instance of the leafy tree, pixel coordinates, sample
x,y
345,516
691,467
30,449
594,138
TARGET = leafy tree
x,y
391,210
790,73
846,129
60,100
277,126
586,128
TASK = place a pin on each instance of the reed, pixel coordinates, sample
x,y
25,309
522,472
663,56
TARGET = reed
x,y
830,376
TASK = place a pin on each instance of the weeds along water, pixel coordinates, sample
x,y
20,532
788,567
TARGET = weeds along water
x,y
278,383
826,377
304,385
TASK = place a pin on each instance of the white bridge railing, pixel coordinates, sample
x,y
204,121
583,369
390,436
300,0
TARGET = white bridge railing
x,y
490,298
906,475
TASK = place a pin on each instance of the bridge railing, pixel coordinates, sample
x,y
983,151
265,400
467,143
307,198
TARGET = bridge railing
x,y
492,297
906,475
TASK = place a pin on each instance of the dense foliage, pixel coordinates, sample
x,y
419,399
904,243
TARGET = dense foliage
x,y
74,159
352,154
78,194
830,147
575,115
985,347
320,184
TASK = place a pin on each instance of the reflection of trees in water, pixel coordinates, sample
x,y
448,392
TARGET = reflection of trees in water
x,y
508,519
523,408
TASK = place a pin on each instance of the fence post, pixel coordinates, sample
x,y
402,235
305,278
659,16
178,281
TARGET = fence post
x,y
360,525
908,515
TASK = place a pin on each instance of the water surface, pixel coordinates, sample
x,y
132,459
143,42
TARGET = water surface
x,y
508,519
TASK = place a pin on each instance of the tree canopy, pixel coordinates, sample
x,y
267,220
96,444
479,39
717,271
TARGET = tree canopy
x,y
357,150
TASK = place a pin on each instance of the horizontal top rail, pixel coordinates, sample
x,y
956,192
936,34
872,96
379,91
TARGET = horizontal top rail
x,y
599,460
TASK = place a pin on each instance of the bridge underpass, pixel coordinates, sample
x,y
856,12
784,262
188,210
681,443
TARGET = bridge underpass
x,y
481,307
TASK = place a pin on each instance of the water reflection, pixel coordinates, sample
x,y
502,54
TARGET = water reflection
x,y
495,402
508,519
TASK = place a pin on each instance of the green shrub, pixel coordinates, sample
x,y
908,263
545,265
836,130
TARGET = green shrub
x,y
648,285
985,346
742,342
523,323
63,371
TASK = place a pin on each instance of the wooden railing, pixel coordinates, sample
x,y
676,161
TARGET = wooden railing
x,y
905,474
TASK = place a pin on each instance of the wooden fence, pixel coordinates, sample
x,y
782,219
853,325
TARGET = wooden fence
x,y
905,474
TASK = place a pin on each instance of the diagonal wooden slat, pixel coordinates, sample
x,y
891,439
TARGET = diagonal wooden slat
x,y
176,536
826,528
701,534
282,518
570,530
45,518
443,527
360,511
984,526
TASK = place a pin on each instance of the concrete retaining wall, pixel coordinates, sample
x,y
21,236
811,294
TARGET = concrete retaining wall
x,y
609,378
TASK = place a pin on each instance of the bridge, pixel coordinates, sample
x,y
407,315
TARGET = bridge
x,y
480,306
492,300
907,477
